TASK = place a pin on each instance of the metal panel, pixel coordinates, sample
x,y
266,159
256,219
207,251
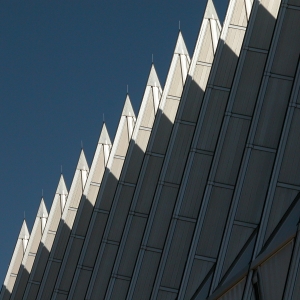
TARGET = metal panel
x,y
83,223
147,275
199,271
282,200
120,215
288,45
82,283
165,126
230,54
162,295
195,95
209,132
236,292
206,53
195,186
239,16
101,280
255,186
76,196
122,146
180,152
289,172
271,120
176,81
120,289
274,272
232,151
178,253
162,217
98,166
294,2
246,93
214,222
149,183
149,112
132,246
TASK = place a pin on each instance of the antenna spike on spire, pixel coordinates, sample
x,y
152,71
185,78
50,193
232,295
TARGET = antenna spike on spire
x,y
179,25
81,144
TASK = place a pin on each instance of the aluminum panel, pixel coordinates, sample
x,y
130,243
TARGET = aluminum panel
x,y
94,239
121,147
115,170
210,128
194,189
271,120
83,222
273,273
235,293
230,53
232,151
81,285
61,297
120,289
165,126
179,154
132,246
264,25
137,156
76,196
195,95
289,172
255,186
147,274
239,16
288,45
55,214
105,198
102,277
294,2
176,85
162,295
178,253
34,288
99,162
239,237
121,212
206,53
162,217
39,267
149,184
199,271
71,262
282,200
149,112
214,222
246,93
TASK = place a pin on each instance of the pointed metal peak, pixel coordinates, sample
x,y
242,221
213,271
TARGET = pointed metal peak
x,y
104,136
153,78
24,233
61,187
180,47
210,11
128,110
82,163
42,212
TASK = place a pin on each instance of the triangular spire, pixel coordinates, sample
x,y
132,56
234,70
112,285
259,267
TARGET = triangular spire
x,y
210,11
62,188
104,136
82,163
128,110
153,78
180,47
42,212
24,233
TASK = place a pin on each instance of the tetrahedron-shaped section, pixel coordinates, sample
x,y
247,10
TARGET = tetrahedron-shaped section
x,y
210,11
128,110
82,163
62,188
42,212
153,78
24,232
104,136
180,45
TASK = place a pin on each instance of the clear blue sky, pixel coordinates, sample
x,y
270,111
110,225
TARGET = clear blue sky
x,y
62,65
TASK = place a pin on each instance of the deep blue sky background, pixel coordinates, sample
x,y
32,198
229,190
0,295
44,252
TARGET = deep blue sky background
x,y
62,65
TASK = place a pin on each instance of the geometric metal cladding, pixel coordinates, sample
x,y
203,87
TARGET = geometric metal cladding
x,y
199,196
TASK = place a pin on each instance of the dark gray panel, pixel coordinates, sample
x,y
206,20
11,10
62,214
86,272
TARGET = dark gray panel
x,y
273,273
246,94
235,293
104,271
162,295
81,284
180,153
282,200
199,271
162,217
121,212
232,151
85,213
289,172
195,186
255,186
146,276
120,289
287,51
178,253
212,121
294,2
149,184
61,297
33,291
214,222
273,112
132,246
